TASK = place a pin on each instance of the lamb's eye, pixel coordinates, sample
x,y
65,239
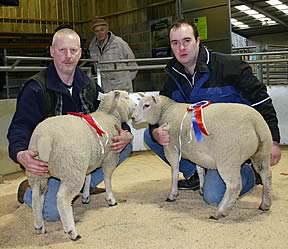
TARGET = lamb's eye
x,y
146,106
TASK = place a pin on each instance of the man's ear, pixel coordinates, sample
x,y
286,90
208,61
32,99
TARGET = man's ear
x,y
51,49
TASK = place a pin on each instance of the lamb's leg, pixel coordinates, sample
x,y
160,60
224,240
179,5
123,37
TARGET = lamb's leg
x,y
64,204
108,167
263,168
172,156
230,174
201,174
86,190
39,188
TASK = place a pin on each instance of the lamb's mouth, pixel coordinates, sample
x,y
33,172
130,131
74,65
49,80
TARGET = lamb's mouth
x,y
136,121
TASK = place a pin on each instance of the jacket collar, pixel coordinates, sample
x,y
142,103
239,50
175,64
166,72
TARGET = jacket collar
x,y
54,82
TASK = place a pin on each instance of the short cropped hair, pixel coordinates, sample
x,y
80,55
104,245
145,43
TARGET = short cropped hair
x,y
65,31
177,24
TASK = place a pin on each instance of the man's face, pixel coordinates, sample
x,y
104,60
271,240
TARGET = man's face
x,y
101,32
184,45
66,53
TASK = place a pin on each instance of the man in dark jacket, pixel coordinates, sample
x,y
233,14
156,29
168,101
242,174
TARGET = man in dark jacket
x,y
62,87
196,74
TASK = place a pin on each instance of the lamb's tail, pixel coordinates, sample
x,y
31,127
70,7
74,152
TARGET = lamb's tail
x,y
261,159
42,143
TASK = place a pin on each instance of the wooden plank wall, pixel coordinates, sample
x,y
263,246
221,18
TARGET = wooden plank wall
x,y
38,16
43,16
121,13
127,18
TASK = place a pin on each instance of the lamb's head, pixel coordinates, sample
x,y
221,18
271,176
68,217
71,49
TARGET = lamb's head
x,y
117,103
148,110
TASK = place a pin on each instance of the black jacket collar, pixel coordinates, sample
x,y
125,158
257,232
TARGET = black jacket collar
x,y
54,82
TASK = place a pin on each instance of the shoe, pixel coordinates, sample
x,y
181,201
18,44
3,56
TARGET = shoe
x,y
191,183
21,191
96,191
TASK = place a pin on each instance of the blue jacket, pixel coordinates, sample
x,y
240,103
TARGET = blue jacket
x,y
220,78
32,103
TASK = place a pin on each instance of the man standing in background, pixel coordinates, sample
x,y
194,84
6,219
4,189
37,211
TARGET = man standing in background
x,y
105,46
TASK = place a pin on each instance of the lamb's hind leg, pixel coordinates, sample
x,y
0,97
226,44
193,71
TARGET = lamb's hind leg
x,y
232,178
263,168
64,204
39,188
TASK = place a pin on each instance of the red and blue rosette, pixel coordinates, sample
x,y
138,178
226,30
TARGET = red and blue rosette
x,y
197,119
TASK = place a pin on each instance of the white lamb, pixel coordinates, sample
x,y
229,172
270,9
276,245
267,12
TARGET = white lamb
x,y
236,133
73,149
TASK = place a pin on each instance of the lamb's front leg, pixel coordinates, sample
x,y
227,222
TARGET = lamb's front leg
x,y
201,174
108,166
86,190
172,155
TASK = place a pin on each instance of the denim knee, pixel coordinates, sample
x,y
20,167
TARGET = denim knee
x,y
214,187
50,211
212,198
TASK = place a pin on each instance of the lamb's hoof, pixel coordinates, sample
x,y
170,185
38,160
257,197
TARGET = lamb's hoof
x,y
212,217
86,200
112,205
264,208
77,238
216,216
73,236
40,230
170,200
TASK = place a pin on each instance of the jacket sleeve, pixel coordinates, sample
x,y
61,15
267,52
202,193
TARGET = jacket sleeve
x,y
128,54
256,93
30,111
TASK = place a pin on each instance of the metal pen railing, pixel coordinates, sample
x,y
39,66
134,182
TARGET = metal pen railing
x,y
270,67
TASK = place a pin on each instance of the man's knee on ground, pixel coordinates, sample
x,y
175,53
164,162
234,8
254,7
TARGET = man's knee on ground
x,y
147,137
211,198
51,215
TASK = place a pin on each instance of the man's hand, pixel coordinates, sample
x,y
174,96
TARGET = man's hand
x,y
161,135
275,154
120,141
27,159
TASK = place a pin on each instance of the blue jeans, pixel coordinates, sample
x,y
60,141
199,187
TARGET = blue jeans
x,y
50,211
214,187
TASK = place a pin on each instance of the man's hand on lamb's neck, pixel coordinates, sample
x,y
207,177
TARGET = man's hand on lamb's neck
x,y
120,141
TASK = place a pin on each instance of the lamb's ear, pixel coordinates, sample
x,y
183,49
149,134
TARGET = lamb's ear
x,y
155,99
141,94
116,94
100,96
